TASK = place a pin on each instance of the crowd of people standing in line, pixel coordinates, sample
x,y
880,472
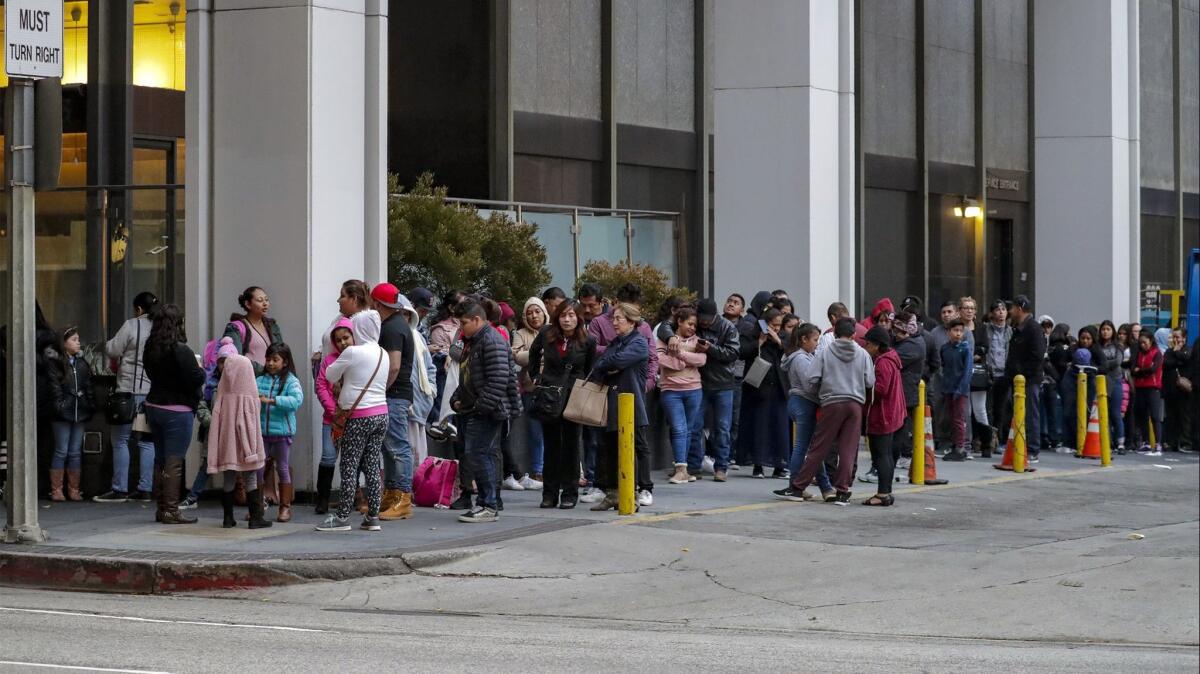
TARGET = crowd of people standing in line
x,y
744,387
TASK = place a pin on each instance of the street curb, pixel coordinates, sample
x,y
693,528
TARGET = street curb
x,y
148,576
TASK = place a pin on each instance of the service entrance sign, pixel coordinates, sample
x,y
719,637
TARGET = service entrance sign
x,y
33,38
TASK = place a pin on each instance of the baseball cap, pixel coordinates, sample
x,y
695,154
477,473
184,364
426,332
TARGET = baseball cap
x,y
1023,302
386,294
421,298
706,310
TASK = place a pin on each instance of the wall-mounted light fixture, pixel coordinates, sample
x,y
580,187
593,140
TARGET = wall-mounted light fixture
x,y
967,208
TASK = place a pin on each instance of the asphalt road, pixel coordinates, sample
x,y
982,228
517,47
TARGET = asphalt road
x,y
1084,571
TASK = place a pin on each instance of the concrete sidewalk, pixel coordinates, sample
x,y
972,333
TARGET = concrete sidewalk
x,y
119,547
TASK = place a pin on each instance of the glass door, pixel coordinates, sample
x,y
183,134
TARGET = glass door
x,y
152,225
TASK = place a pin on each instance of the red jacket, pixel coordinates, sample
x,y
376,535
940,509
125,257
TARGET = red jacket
x,y
886,413
1147,372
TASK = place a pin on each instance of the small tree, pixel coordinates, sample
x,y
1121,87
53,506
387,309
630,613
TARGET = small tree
x,y
611,276
443,246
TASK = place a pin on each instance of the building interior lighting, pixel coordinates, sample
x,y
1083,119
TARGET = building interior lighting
x,y
967,208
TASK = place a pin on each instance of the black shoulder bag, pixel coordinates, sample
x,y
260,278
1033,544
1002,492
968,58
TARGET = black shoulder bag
x,y
121,408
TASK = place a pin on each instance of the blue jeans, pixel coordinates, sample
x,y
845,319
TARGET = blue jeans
x,y
120,442
721,404
481,440
328,451
537,440
397,450
685,417
1052,415
803,413
172,433
68,445
201,481
1116,396
592,437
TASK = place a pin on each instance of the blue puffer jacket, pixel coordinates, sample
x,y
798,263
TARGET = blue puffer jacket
x,y
279,419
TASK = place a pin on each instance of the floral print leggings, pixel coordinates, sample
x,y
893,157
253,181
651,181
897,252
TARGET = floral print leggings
x,y
360,449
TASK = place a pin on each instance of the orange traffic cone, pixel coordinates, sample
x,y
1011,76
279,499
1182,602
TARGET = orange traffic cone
x,y
1091,446
931,477
1006,463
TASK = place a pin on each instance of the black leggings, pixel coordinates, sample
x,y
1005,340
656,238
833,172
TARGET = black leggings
x,y
1147,409
881,455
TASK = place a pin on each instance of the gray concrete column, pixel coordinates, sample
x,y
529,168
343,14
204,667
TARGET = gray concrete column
x,y
784,156
1086,167
286,135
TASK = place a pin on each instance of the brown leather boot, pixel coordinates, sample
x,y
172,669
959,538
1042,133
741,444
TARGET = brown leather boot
x,y
286,494
401,509
360,501
56,484
156,494
268,485
73,493
239,491
168,503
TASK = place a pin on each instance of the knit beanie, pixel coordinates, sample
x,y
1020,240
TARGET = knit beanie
x,y
226,348
912,326
1082,357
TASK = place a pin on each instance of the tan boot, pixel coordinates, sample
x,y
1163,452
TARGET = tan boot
x,y
286,493
239,491
270,497
681,475
73,493
402,509
56,484
390,498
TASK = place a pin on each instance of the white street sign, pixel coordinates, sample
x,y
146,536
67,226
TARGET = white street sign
x,y
33,38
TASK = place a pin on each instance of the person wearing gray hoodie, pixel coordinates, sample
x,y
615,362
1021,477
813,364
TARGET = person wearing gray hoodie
x,y
840,376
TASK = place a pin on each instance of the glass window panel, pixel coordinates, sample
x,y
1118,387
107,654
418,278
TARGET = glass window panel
x,y
654,244
601,237
554,232
159,36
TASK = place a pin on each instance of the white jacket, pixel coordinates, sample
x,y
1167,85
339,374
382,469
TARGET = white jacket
x,y
128,348
357,363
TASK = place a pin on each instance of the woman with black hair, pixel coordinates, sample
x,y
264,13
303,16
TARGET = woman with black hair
x,y
1114,357
253,331
175,382
764,424
1058,360
127,348
1088,358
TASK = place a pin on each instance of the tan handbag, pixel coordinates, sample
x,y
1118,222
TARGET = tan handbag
x,y
588,404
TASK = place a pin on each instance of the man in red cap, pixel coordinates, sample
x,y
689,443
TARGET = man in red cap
x,y
396,338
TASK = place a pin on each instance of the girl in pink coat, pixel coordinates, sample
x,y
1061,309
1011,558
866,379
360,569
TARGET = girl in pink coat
x,y
235,444
340,337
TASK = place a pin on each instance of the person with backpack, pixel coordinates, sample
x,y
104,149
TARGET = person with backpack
x,y
73,407
253,330
560,355
127,347
280,394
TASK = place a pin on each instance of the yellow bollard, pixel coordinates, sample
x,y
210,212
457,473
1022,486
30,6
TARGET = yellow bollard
x,y
1150,431
916,474
1102,405
625,471
1019,423
1081,412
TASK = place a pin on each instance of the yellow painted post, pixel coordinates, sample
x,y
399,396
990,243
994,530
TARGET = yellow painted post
x,y
625,477
1081,412
1102,405
916,473
1150,431
1019,423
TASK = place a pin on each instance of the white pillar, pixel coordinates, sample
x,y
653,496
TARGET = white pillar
x,y
1087,195
784,157
286,168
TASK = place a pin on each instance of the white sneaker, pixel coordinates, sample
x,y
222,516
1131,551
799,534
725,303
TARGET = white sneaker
x,y
645,498
530,484
591,495
511,484
707,466
903,463
1154,452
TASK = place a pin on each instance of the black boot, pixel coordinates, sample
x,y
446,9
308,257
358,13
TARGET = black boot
x,y
324,487
254,501
465,501
227,504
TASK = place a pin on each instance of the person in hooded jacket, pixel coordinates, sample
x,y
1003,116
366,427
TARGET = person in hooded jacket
x,y
882,314
909,345
340,337
749,330
1095,362
1058,359
424,384
235,442
885,414
840,376
1147,381
1176,398
535,317
764,424
362,372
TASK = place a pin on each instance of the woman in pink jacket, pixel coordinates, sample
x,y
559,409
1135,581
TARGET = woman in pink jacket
x,y
682,399
340,337
235,443
885,412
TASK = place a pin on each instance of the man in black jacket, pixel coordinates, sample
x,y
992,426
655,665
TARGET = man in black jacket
x,y
719,339
486,400
1026,352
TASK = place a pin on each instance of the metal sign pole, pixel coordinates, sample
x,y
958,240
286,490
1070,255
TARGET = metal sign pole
x,y
20,498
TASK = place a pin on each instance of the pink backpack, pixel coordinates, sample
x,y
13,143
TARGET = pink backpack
x,y
435,483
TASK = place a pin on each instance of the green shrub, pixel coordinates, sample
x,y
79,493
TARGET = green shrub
x,y
611,276
443,246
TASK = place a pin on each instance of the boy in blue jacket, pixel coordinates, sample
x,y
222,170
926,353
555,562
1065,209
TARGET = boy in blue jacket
x,y
956,388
